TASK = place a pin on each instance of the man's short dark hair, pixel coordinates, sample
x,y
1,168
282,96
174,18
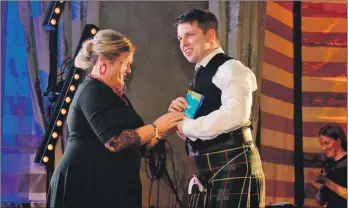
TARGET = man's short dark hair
x,y
206,20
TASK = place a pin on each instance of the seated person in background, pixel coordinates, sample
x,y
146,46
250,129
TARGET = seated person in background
x,y
333,191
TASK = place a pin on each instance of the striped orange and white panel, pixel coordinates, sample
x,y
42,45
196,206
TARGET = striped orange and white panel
x,y
324,77
277,130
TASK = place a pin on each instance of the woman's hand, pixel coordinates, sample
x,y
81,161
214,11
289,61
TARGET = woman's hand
x,y
321,178
314,178
167,123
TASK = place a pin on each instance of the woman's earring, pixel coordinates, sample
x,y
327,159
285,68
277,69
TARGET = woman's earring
x,y
102,69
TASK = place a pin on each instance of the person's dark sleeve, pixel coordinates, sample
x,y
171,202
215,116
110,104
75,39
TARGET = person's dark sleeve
x,y
323,195
103,114
341,176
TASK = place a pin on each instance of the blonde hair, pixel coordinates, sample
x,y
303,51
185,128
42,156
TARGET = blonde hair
x,y
106,43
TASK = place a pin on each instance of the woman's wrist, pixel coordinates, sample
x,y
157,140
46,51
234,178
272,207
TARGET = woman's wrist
x,y
156,132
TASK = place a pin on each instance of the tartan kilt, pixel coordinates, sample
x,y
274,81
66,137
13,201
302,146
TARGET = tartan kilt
x,y
239,184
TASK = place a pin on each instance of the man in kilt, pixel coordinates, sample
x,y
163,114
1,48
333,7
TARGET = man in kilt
x,y
218,137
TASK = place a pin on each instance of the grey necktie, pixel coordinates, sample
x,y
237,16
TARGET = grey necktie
x,y
195,76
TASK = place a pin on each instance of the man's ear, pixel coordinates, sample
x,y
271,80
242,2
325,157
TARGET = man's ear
x,y
211,35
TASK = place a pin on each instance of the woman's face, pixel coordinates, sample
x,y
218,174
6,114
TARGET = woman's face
x,y
120,68
329,146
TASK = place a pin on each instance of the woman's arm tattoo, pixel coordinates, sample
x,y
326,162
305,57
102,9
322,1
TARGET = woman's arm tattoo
x,y
127,139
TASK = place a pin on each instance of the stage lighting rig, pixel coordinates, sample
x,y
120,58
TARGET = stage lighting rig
x,y
55,127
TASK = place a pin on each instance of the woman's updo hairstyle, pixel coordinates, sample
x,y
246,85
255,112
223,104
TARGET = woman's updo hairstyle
x,y
107,43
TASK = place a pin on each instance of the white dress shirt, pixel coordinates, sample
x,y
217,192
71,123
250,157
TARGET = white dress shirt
x,y
237,83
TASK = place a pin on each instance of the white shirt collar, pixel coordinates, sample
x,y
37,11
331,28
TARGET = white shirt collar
x,y
206,60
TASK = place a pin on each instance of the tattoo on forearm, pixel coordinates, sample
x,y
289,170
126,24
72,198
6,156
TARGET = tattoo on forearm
x,y
127,139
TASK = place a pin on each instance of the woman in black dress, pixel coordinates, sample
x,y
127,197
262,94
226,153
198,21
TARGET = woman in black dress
x,y
101,165
333,178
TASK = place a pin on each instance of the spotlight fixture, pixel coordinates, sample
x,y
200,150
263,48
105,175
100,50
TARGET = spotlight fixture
x,y
52,15
63,111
